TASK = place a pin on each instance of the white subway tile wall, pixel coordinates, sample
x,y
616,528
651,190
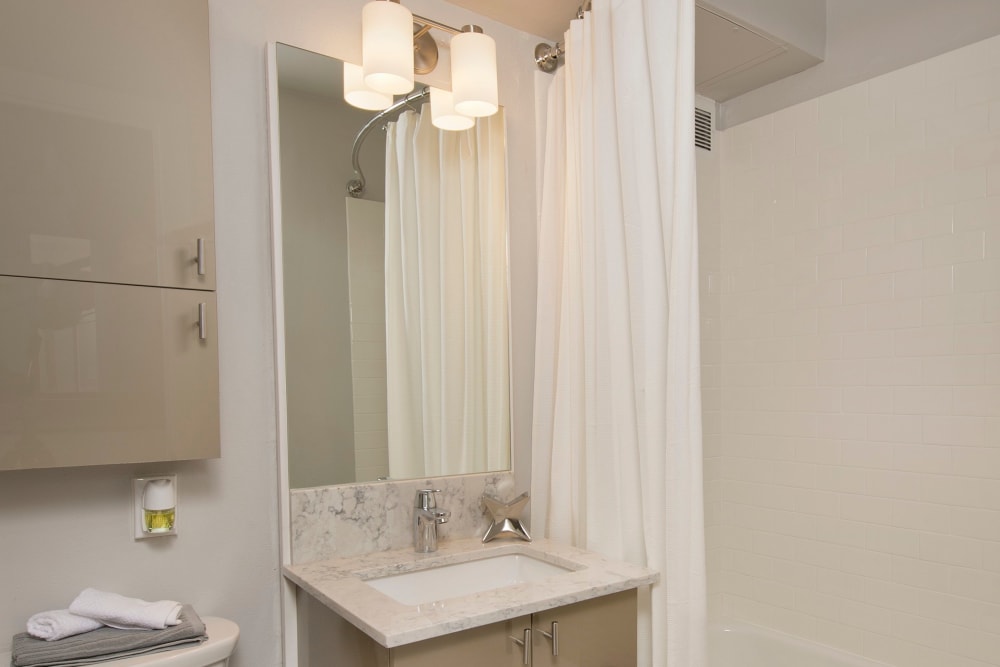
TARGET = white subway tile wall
x,y
366,244
710,283
851,317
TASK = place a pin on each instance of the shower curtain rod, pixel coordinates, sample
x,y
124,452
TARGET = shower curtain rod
x,y
356,186
549,57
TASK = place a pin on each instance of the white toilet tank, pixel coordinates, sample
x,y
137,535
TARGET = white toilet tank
x,y
222,636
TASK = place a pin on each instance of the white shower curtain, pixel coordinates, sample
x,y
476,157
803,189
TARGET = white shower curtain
x,y
447,348
616,463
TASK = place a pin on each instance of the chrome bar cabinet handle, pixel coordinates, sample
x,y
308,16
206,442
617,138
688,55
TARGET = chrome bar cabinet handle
x,y
202,321
525,645
554,636
200,258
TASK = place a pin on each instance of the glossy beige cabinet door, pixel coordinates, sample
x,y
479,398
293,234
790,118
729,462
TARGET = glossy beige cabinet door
x,y
94,373
595,633
326,638
486,646
106,141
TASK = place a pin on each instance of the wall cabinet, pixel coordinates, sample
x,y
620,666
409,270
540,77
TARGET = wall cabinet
x,y
595,633
106,142
108,348
93,373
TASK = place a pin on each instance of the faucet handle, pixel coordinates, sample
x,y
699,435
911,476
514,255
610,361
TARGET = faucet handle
x,y
426,500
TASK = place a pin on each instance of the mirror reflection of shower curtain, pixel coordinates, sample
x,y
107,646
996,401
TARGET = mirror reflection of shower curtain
x,y
446,297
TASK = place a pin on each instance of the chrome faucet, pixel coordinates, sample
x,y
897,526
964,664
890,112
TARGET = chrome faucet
x,y
426,517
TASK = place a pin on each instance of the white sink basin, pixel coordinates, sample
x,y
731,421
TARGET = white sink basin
x,y
466,578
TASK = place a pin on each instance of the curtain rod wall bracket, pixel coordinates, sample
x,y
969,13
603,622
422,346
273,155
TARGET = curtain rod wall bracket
x,y
547,56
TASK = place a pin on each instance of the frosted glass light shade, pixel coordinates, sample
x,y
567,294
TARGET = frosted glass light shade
x,y
474,74
357,94
387,47
443,114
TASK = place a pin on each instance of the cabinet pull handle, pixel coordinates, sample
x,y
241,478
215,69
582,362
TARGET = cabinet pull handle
x,y
200,259
525,645
554,636
202,321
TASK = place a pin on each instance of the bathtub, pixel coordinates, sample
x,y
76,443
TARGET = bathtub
x,y
735,644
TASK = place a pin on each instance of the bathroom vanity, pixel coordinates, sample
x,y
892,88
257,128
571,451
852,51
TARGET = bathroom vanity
x,y
491,605
596,632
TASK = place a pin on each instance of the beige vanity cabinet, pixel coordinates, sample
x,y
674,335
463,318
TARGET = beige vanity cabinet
x,y
94,373
595,633
486,646
600,632
106,142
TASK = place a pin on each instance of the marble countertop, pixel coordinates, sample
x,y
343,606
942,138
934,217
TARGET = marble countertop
x,y
340,585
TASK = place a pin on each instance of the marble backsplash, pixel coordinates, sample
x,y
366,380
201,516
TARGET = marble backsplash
x,y
354,519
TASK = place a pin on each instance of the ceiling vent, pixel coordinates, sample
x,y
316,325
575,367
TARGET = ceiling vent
x,y
702,129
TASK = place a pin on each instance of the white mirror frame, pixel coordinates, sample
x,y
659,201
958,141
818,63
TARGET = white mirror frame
x,y
304,26
289,613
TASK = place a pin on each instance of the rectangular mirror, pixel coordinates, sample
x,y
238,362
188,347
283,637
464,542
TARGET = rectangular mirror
x,y
396,309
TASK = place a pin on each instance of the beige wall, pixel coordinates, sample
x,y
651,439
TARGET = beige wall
x,y
859,461
63,530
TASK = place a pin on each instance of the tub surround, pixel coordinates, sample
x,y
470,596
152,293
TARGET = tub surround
x,y
340,585
855,474
733,643
354,519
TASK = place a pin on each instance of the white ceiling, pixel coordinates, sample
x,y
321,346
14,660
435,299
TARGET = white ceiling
x,y
864,38
730,58
548,18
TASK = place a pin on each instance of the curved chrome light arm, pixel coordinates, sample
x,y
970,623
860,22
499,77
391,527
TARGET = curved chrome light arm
x,y
356,186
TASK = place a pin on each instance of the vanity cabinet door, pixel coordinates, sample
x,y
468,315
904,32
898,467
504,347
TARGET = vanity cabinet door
x,y
106,142
594,633
94,373
486,646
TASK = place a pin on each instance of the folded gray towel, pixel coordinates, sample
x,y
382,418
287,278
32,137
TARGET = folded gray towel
x,y
106,644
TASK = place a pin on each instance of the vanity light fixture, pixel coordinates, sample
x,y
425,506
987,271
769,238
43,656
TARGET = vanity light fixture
x,y
387,47
474,72
396,44
360,95
443,114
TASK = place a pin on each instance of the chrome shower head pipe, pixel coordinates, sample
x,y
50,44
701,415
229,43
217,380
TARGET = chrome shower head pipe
x,y
356,186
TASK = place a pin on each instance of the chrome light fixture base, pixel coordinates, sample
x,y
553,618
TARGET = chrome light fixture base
x,y
425,49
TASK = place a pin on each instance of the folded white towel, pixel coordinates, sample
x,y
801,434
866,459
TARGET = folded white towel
x,y
59,623
126,613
